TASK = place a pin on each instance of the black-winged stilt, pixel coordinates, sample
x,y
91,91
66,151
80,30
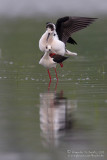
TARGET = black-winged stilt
x,y
50,60
53,41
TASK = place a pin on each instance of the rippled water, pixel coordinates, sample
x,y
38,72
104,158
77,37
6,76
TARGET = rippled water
x,y
64,121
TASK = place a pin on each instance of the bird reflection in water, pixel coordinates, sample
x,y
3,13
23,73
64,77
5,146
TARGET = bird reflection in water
x,y
56,116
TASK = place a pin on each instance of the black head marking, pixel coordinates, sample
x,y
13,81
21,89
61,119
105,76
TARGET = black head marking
x,y
47,23
50,25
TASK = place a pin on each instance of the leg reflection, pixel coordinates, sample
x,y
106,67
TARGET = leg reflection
x,y
49,85
56,85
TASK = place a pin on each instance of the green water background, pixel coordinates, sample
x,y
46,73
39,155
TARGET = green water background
x,y
22,80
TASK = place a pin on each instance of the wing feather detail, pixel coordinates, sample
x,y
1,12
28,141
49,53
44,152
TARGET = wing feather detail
x,y
66,26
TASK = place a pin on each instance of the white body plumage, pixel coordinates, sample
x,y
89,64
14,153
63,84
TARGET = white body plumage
x,y
46,60
57,46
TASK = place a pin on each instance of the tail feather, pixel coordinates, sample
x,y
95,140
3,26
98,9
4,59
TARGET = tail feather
x,y
70,53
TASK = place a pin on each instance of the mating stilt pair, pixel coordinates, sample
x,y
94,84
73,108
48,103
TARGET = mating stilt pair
x,y
53,41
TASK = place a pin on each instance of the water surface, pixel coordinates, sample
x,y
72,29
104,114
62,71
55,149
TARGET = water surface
x,y
65,121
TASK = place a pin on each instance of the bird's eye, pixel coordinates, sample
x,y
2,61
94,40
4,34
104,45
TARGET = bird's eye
x,y
46,47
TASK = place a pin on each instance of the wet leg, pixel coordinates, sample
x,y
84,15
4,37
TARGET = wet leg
x,y
49,75
56,74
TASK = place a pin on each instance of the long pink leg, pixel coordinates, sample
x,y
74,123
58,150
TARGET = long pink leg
x,y
49,81
56,74
49,74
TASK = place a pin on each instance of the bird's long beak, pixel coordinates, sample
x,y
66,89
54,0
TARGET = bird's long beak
x,y
48,36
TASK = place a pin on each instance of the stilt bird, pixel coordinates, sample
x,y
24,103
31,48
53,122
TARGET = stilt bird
x,y
53,41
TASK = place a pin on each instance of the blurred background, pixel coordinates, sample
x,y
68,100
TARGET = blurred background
x,y
68,119
14,8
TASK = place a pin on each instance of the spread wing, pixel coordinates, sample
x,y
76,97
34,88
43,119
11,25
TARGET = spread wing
x,y
67,25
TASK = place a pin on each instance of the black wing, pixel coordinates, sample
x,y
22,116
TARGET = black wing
x,y
58,58
67,25
71,40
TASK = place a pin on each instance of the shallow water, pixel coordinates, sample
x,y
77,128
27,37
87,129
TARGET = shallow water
x,y
64,121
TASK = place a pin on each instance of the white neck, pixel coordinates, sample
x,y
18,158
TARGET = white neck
x,y
44,36
46,55
50,37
